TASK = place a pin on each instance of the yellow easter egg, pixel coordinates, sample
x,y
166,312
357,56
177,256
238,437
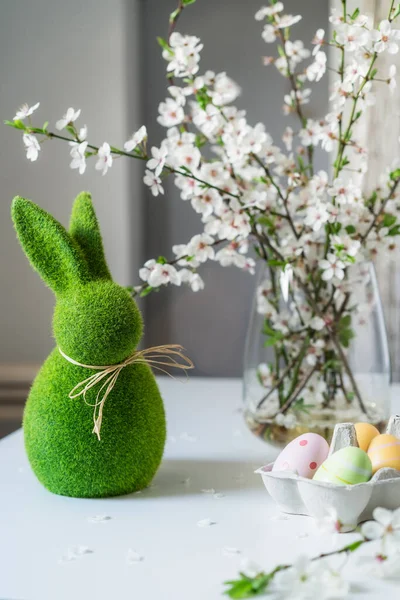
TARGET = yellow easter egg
x,y
384,451
365,433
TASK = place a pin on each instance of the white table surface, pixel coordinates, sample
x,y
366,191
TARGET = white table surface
x,y
208,443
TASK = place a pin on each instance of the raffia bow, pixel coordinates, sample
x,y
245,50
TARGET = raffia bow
x,y
156,357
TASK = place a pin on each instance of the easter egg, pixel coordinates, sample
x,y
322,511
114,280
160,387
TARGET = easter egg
x,y
345,467
303,455
384,451
365,432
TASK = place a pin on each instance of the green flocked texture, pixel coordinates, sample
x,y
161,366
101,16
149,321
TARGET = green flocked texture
x,y
95,322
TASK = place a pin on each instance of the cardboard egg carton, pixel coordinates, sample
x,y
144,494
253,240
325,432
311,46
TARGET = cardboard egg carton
x,y
353,503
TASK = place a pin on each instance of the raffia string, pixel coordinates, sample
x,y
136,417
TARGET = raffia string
x,y
156,357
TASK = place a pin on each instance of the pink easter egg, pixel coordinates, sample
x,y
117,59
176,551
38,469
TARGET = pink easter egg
x,y
303,455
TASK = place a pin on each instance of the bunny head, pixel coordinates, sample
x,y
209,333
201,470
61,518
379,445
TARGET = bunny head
x,y
96,321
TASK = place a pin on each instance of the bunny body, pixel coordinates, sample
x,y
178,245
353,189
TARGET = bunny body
x,y
96,322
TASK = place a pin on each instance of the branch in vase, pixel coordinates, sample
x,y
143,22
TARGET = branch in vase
x,y
339,348
287,370
293,397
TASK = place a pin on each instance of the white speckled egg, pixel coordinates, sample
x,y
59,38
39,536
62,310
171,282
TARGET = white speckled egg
x,y
304,455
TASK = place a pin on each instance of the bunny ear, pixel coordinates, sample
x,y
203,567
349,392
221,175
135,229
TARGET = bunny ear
x,y
48,246
85,230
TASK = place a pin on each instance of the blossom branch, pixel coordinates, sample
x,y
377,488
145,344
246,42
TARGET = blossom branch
x,y
382,208
293,82
306,577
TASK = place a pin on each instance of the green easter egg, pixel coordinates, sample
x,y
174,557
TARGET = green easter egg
x,y
347,466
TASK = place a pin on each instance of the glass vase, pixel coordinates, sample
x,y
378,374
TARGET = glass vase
x,y
315,360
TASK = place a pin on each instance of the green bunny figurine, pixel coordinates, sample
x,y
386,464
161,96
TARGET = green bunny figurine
x,y
96,322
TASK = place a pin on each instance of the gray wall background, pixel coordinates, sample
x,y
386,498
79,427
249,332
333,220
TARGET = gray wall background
x,y
103,58
85,54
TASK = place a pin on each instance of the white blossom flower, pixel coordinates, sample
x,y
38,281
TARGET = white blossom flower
x,y
311,134
200,246
329,522
208,121
318,183
317,215
192,279
82,134
287,20
317,69
269,34
149,266
317,323
162,275
318,40
360,20
308,579
193,88
385,38
249,265
328,139
268,11
355,71
351,37
136,139
266,375
296,52
302,96
385,526
25,111
287,138
179,94
344,193
78,155
171,113
314,352
154,183
380,565
188,156
225,90
184,55
332,267
32,146
250,568
341,92
207,202
70,117
264,300
336,16
189,187
104,158
228,256
345,245
157,162
376,241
